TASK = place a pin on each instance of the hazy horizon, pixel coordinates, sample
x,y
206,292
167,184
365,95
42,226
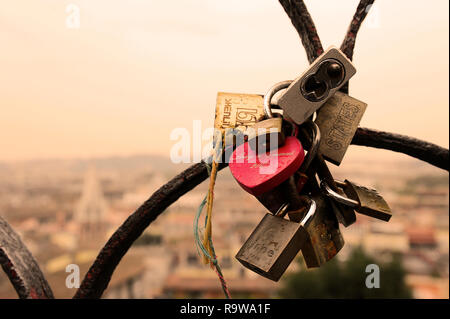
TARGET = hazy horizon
x,y
135,70
353,157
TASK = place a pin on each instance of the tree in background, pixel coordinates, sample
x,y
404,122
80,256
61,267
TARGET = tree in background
x,y
346,279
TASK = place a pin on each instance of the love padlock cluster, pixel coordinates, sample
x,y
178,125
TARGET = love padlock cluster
x,y
306,205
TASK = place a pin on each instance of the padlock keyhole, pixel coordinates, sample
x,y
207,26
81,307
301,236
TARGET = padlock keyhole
x,y
329,75
314,88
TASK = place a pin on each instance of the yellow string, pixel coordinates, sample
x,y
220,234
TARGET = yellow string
x,y
210,200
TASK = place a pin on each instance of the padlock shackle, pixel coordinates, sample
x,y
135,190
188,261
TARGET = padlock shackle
x,y
340,184
282,211
310,213
315,143
338,197
294,127
269,95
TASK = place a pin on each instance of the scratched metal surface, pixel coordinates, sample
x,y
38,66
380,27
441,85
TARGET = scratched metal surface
x,y
20,266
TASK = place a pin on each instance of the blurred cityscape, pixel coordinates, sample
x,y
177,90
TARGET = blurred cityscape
x,y
65,210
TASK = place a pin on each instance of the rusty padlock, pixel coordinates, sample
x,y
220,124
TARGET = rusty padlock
x,y
325,239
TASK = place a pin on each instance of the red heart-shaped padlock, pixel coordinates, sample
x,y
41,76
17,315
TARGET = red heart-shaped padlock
x,y
258,174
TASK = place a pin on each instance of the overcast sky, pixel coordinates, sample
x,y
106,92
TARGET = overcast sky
x,y
137,69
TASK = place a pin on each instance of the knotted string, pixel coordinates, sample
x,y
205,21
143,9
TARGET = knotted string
x,y
206,245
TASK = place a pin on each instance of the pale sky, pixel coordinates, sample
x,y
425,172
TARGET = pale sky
x,y
137,69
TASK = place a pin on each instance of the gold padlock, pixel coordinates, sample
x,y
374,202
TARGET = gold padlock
x,y
235,113
238,111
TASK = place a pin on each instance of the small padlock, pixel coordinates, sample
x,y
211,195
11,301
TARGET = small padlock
x,y
266,135
326,75
365,200
274,243
338,120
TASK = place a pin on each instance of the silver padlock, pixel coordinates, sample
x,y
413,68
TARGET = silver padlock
x,y
364,200
274,243
325,76
338,120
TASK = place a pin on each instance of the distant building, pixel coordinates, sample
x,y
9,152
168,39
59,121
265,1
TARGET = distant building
x,y
201,287
190,278
421,238
90,213
425,287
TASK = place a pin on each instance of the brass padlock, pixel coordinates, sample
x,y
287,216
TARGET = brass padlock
x,y
235,113
338,120
274,243
365,200
266,135
238,111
